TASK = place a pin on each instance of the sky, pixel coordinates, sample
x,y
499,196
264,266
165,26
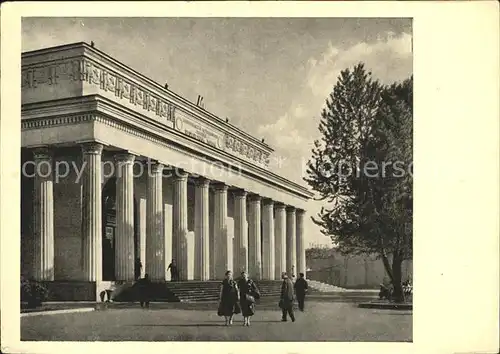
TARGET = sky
x,y
269,76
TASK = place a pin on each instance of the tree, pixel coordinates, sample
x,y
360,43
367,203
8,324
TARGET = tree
x,y
360,168
320,253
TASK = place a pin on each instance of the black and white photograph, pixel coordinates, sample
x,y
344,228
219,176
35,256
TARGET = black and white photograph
x,y
228,172
231,177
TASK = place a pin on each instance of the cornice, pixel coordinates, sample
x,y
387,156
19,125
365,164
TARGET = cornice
x,y
93,61
37,123
102,110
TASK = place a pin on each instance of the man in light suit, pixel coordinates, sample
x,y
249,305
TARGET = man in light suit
x,y
286,299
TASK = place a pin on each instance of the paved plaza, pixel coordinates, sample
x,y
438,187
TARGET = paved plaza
x,y
322,321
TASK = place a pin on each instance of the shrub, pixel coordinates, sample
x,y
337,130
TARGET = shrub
x,y
33,292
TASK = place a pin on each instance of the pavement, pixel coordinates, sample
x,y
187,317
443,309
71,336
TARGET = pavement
x,y
322,321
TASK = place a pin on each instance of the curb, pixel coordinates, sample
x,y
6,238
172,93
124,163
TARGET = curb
x,y
382,306
56,312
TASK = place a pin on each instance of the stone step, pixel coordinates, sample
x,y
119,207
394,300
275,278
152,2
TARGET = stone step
x,y
193,291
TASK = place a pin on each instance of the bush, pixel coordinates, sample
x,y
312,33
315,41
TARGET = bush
x,y
33,292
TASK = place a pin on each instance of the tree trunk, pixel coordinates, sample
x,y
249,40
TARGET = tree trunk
x,y
387,266
398,294
346,264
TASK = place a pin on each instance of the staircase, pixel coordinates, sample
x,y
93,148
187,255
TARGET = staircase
x,y
159,293
193,291
269,288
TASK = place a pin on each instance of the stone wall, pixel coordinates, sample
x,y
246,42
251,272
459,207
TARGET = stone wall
x,y
351,272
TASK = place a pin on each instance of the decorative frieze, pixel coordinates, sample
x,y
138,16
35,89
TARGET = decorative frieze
x,y
246,151
124,89
34,77
107,80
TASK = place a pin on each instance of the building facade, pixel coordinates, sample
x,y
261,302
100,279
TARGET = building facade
x,y
119,171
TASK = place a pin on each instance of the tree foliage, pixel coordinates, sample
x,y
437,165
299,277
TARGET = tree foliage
x,y
320,253
362,168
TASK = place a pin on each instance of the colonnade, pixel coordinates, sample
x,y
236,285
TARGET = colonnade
x,y
281,226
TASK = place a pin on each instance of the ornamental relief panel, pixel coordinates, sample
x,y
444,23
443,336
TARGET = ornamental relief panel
x,y
94,74
124,89
246,151
198,130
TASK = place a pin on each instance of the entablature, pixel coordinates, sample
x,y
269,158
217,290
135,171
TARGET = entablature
x,y
102,110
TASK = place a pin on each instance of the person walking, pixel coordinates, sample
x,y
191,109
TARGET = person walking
x,y
301,290
137,268
228,299
249,293
286,299
174,271
144,287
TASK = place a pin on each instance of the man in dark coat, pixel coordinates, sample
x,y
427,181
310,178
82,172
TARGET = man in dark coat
x,y
174,271
286,299
144,287
300,290
137,268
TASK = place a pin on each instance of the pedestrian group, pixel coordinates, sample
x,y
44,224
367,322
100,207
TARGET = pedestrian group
x,y
240,297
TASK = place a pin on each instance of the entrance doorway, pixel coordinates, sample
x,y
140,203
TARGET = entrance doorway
x,y
109,231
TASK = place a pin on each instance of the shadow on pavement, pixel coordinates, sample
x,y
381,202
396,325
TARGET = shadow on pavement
x,y
180,325
210,324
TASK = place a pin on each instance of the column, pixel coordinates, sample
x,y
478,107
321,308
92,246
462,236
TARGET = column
x,y
221,241
291,246
201,230
43,216
268,239
155,236
124,238
211,223
91,212
280,240
180,223
254,246
240,231
168,225
143,222
301,250
190,256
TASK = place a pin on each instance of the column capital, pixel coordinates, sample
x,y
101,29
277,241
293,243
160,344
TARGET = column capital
x,y
300,212
179,174
201,182
290,209
156,167
279,206
42,153
125,157
254,198
240,193
92,148
220,187
267,201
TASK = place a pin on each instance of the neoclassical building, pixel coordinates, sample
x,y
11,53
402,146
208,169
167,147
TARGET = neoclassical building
x,y
117,170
